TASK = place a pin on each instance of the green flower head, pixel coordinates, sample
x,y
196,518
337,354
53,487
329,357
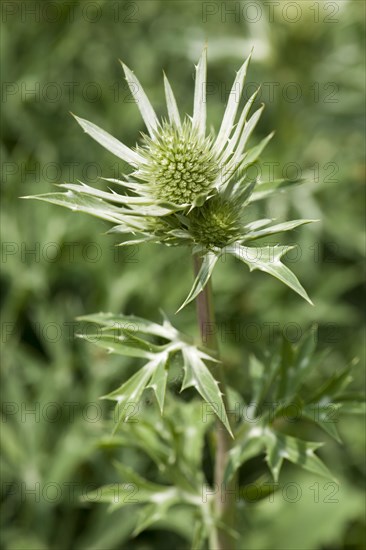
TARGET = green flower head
x,y
180,166
187,186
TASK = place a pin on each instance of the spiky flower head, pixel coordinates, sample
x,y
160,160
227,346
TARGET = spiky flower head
x,y
216,224
188,187
180,166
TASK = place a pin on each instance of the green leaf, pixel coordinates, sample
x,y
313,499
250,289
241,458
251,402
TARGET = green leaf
x,y
353,407
159,379
268,259
130,323
197,375
208,263
250,446
285,371
127,344
325,416
256,373
304,360
280,446
199,536
131,391
333,386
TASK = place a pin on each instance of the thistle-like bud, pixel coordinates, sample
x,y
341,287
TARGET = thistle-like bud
x,y
216,223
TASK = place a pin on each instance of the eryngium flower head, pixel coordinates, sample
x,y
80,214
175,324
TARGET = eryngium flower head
x,y
216,224
180,166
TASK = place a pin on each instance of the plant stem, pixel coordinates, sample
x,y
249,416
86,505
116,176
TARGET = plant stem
x,y
225,497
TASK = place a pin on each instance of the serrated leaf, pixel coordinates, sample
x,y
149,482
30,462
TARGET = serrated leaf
x,y
197,375
130,323
280,446
131,391
126,345
323,416
208,263
333,386
268,259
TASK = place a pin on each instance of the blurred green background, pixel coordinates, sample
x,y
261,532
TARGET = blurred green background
x,y
58,57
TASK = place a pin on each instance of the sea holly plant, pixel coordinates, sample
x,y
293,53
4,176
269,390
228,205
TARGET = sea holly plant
x,y
190,188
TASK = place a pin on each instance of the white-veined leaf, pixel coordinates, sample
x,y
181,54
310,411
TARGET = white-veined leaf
x,y
268,259
130,323
159,379
280,446
129,394
126,344
197,375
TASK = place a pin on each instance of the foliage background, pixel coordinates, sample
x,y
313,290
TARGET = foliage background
x,y
63,56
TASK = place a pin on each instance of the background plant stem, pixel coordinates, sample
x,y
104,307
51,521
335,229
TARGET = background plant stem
x,y
225,497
